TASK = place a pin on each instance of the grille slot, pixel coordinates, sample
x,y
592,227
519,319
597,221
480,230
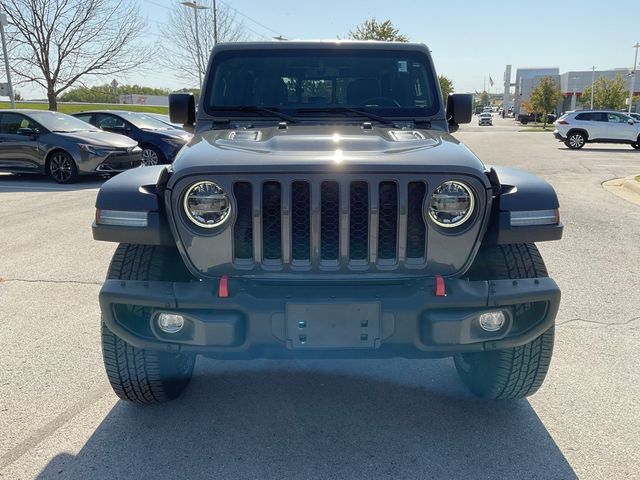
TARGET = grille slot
x,y
388,220
416,227
329,220
301,221
321,223
272,221
243,228
358,220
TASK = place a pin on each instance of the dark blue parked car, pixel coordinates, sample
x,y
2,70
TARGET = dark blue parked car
x,y
159,142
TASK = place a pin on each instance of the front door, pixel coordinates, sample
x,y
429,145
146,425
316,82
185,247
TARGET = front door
x,y
620,129
18,152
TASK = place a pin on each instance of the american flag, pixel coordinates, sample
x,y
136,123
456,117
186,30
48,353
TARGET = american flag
x,y
490,82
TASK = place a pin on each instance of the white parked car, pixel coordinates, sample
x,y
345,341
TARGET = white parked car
x,y
577,128
485,119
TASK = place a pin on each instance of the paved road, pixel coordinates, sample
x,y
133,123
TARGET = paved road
x,y
324,419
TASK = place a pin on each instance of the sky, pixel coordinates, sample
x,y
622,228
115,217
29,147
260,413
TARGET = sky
x,y
470,40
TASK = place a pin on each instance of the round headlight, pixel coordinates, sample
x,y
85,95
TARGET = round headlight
x,y
451,204
207,205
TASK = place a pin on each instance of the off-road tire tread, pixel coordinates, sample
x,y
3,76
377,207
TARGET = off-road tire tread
x,y
136,374
514,372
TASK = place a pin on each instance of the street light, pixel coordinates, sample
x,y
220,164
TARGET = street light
x,y
3,23
633,76
196,7
574,98
593,82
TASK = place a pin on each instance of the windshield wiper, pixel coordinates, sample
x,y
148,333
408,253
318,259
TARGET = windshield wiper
x,y
362,113
273,111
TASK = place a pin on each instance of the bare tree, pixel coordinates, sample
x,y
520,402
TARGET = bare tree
x,y
57,43
182,54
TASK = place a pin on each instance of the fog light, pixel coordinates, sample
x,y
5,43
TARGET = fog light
x,y
170,322
492,321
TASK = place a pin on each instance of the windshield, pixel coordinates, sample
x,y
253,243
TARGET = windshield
x,y
392,83
60,122
145,122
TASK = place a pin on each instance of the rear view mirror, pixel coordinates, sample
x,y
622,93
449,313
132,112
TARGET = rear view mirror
x,y
182,109
459,110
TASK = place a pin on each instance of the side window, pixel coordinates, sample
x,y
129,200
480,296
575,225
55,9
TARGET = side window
x,y
584,117
599,117
616,118
85,117
104,120
11,122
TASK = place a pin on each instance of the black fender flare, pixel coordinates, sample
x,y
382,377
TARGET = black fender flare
x,y
136,190
521,191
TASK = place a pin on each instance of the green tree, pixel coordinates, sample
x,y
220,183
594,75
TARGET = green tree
x,y
374,30
446,87
545,98
484,98
609,94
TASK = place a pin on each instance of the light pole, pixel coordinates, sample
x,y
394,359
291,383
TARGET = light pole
x,y
574,98
633,76
215,22
593,83
197,7
3,22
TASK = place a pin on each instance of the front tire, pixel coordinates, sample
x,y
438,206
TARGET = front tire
x,y
576,140
62,168
151,156
135,374
513,372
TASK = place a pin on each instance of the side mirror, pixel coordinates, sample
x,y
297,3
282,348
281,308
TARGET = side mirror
x,y
459,110
182,109
28,132
631,121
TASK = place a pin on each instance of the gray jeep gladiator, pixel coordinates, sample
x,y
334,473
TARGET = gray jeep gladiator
x,y
322,209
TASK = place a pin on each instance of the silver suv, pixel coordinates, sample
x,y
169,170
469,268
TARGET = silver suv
x,y
587,126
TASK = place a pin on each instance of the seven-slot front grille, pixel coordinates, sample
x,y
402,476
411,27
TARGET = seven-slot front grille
x,y
330,223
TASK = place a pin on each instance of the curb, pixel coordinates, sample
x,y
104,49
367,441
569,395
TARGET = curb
x,y
630,183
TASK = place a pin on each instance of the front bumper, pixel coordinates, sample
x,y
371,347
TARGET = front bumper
x,y
401,319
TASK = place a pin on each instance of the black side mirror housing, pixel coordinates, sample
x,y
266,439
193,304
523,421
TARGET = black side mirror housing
x,y
182,109
459,110
28,132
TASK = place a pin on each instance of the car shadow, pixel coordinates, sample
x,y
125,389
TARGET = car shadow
x,y
601,149
42,183
316,420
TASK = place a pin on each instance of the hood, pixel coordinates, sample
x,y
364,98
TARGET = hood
x,y
172,134
99,138
349,147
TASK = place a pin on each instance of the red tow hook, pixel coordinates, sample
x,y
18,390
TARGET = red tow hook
x,y
440,288
223,287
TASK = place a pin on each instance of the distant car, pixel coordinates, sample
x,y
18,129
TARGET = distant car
x,y
159,142
525,118
63,147
485,119
635,116
577,128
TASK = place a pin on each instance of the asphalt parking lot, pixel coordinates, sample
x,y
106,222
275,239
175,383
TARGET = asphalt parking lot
x,y
325,419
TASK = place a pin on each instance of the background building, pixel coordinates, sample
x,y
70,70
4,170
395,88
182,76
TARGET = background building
x,y
572,84
527,79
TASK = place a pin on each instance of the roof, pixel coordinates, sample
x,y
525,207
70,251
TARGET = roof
x,y
321,44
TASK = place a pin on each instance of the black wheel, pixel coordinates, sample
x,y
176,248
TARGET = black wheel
x,y
576,140
524,121
513,372
62,168
151,156
136,374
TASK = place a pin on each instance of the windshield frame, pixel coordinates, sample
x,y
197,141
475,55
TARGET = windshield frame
x,y
228,111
